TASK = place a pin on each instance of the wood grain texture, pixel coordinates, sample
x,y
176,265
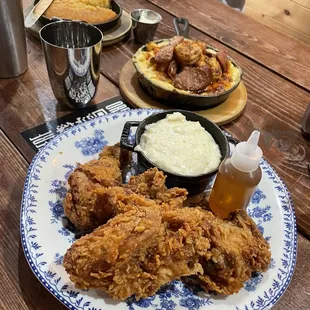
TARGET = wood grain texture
x,y
285,12
285,16
305,3
275,107
269,21
28,100
285,55
27,2
19,288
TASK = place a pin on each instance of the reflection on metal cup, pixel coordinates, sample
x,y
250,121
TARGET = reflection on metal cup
x,y
144,24
72,52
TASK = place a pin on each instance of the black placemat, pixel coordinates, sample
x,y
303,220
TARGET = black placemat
x,y
38,136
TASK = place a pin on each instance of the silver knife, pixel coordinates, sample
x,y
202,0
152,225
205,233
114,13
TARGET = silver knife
x,y
36,12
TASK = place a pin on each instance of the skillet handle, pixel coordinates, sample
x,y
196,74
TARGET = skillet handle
x,y
125,135
232,140
184,32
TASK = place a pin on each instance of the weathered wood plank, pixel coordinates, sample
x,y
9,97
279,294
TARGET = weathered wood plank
x,y
19,288
285,16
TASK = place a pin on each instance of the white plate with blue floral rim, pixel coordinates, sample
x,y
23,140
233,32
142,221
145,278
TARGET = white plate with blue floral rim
x,y
45,237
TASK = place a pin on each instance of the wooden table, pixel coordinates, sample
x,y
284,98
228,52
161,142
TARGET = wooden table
x,y
276,74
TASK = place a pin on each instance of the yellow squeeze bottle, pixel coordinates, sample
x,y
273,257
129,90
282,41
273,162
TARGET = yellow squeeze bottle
x,y
237,178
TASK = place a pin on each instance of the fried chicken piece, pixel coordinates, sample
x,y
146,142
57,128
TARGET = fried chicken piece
x,y
80,203
151,184
238,249
137,252
143,248
115,200
87,210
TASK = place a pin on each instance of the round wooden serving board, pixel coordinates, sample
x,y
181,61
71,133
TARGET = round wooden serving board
x,y
224,113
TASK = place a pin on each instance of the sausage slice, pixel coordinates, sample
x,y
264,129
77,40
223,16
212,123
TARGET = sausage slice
x,y
176,40
207,69
172,69
192,79
165,54
223,60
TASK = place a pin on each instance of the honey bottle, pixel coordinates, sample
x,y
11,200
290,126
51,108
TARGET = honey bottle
x,y
237,178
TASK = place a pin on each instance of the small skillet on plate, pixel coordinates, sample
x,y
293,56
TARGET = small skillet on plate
x,y
176,97
102,26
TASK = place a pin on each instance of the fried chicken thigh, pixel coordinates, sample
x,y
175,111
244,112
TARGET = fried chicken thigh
x,y
237,249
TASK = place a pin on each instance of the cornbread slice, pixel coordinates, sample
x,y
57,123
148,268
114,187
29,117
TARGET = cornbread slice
x,y
90,11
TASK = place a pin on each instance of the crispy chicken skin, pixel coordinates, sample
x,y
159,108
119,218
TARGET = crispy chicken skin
x,y
151,184
114,200
238,249
139,251
79,204
143,248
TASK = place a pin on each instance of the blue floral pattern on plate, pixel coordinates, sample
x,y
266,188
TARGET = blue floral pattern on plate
x,y
58,259
187,298
43,228
92,145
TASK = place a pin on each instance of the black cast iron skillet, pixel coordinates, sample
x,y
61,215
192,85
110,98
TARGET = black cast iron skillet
x,y
194,184
103,26
176,99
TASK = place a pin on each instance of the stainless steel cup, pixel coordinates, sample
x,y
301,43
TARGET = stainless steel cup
x,y
13,53
144,24
72,52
